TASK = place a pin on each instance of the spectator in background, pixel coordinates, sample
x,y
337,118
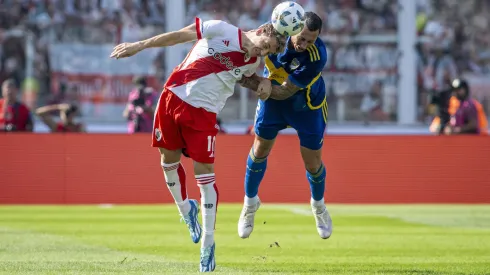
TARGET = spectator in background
x,y
469,118
159,68
141,107
12,70
372,104
14,116
67,114
439,73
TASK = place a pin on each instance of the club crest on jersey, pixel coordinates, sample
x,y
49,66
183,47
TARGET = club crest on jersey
x,y
294,64
158,134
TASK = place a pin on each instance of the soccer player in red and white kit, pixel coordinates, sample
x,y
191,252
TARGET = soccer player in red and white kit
x,y
196,91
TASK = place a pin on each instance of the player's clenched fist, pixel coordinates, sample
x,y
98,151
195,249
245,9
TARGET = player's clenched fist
x,y
264,89
125,50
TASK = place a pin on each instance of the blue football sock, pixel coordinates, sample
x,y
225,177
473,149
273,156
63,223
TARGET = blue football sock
x,y
317,182
254,174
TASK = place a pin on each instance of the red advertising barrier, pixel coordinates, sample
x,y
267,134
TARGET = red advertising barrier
x,y
83,169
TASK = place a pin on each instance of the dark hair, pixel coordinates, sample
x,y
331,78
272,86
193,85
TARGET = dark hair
x,y
313,22
72,110
461,84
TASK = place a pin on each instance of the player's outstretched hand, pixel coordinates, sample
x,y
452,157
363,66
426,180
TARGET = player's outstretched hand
x,y
264,89
125,50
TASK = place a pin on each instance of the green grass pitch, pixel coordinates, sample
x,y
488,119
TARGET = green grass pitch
x,y
367,239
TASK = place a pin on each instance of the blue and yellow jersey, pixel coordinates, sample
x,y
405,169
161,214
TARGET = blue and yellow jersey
x,y
304,69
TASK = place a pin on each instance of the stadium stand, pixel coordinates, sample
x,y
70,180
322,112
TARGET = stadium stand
x,y
462,27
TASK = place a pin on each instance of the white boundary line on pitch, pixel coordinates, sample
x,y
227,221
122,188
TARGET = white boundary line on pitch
x,y
300,211
291,208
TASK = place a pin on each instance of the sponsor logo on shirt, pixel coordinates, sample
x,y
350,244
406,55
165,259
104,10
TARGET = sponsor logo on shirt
x,y
224,60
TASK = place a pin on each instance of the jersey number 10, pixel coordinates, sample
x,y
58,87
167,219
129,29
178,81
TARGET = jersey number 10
x,y
211,145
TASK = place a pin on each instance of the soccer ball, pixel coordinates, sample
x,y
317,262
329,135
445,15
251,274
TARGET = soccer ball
x,y
288,18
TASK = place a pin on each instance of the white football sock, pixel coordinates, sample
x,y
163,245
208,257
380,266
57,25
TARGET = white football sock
x,y
318,205
175,178
209,206
251,201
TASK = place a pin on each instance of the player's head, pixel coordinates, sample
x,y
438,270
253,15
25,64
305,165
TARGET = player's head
x,y
265,40
309,34
9,89
460,88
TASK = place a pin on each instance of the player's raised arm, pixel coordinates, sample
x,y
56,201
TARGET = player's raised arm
x,y
251,82
187,34
184,35
286,90
261,86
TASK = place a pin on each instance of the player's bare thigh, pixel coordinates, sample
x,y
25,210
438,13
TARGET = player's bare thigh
x,y
170,156
203,168
311,158
174,156
262,147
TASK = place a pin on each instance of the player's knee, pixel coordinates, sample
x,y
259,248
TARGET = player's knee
x,y
169,156
203,168
261,152
312,159
313,166
262,147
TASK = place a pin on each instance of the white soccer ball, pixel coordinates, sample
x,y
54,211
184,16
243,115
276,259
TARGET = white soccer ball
x,y
288,18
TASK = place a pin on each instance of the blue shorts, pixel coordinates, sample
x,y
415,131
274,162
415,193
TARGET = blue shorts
x,y
273,116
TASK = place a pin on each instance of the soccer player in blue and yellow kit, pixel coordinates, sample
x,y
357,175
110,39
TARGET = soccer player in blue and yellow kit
x,y
297,100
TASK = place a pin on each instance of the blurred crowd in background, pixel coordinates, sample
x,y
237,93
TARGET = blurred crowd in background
x,y
361,74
